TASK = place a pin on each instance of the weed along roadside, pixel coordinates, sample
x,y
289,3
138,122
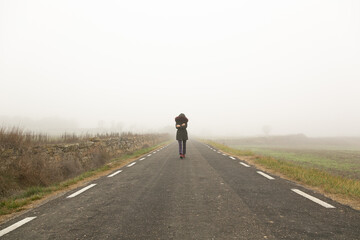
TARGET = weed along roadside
x,y
339,188
32,171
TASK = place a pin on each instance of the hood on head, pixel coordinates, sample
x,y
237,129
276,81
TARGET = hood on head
x,y
181,118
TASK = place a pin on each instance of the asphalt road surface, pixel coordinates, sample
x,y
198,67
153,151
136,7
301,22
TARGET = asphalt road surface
x,y
207,195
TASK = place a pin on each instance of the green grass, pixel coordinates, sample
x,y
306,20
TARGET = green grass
x,y
292,166
327,181
344,163
17,202
36,190
12,205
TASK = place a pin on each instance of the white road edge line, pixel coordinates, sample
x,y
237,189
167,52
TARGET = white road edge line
x,y
224,154
81,191
232,158
244,164
131,164
265,175
141,159
149,155
16,225
314,199
117,172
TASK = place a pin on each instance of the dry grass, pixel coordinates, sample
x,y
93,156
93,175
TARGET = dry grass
x,y
34,195
24,164
15,138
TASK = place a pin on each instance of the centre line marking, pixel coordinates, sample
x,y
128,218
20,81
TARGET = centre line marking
x,y
131,164
314,199
81,191
117,172
16,225
265,175
244,164
232,158
141,159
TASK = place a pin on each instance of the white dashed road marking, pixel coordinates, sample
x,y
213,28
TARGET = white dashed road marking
x,y
131,164
149,155
117,172
141,159
16,225
244,164
265,175
232,158
81,191
314,199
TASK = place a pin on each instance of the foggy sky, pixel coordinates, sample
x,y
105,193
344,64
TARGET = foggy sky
x,y
231,66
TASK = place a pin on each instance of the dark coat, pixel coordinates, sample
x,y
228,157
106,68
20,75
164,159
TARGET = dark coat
x,y
181,133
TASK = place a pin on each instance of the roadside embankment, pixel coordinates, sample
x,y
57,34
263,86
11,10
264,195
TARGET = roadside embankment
x,y
25,164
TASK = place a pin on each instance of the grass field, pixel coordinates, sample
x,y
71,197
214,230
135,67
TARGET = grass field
x,y
340,162
332,169
339,156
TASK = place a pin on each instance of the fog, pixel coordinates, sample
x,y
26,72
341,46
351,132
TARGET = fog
x,y
235,68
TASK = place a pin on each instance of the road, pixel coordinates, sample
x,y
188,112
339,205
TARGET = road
x,y
207,195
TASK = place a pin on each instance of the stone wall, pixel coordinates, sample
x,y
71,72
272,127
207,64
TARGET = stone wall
x,y
50,163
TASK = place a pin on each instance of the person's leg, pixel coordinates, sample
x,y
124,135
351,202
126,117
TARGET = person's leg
x,y
184,147
180,147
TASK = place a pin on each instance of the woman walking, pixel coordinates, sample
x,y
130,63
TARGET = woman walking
x,y
181,134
